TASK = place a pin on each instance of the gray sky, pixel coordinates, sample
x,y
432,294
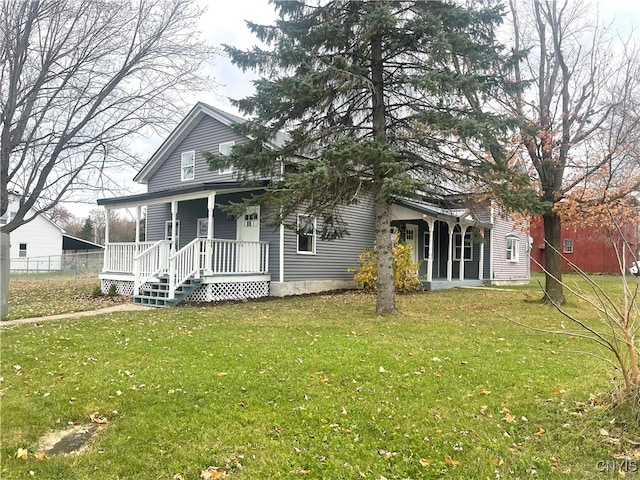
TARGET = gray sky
x,y
224,22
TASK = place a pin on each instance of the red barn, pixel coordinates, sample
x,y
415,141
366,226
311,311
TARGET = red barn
x,y
591,248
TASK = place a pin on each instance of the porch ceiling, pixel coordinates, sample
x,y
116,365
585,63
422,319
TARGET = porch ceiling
x,y
191,192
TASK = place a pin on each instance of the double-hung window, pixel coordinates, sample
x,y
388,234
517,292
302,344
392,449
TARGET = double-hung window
x,y
22,250
224,149
188,166
513,245
306,229
568,245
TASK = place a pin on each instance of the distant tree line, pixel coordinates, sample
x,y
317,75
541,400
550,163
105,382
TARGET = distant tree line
x,y
122,228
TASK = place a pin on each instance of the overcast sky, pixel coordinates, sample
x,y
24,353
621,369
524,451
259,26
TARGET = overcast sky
x,y
224,22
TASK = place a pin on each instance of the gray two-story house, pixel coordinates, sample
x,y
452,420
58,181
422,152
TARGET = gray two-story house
x,y
193,249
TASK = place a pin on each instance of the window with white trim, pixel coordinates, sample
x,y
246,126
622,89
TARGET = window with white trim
x,y
203,227
513,246
306,228
224,149
462,247
568,245
188,166
22,250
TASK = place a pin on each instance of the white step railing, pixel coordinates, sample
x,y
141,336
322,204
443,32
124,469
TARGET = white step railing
x,y
150,263
119,257
185,264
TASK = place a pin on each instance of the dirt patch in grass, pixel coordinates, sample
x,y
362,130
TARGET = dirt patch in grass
x,y
69,440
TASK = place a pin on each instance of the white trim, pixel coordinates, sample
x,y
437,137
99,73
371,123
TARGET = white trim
x,y
312,235
567,242
184,167
512,254
223,153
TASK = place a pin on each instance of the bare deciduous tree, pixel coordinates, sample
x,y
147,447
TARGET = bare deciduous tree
x,y
577,124
78,79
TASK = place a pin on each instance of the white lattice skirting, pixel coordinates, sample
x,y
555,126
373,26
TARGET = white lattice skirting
x,y
216,292
211,292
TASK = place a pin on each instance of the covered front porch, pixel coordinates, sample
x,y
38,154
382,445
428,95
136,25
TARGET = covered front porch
x,y
177,257
451,245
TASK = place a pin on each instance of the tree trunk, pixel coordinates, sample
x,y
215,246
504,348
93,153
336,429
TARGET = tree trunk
x,y
552,259
386,295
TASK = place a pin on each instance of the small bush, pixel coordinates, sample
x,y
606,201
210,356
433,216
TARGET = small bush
x,y
405,270
112,292
96,292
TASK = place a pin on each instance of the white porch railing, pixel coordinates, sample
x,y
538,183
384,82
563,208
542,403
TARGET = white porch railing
x,y
119,257
150,263
146,260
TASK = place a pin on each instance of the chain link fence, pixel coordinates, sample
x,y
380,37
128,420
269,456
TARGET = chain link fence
x,y
68,266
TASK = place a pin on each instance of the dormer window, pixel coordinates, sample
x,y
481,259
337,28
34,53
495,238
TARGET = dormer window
x,y
188,166
224,149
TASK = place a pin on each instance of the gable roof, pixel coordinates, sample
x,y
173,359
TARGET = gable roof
x,y
450,213
185,126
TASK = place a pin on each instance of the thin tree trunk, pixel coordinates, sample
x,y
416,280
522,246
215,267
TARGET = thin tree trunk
x,y
386,296
552,259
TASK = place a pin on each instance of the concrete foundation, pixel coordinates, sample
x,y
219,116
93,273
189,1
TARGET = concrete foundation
x,y
285,289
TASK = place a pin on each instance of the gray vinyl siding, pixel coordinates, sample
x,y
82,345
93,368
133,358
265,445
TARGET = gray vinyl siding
x,y
333,258
205,136
502,269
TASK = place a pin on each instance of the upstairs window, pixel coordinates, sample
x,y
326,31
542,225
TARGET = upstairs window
x,y
513,245
306,234
568,245
188,166
224,149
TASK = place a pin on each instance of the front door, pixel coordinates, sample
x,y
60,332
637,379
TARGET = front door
x,y
248,232
411,238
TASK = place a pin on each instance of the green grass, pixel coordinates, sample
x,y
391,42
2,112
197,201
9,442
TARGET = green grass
x,y
30,297
315,387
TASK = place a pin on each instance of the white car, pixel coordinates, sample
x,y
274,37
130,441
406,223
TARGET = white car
x,y
635,269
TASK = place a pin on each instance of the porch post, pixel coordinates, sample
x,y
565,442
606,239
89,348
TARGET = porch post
x,y
174,225
463,232
208,255
138,214
481,260
106,225
431,222
450,252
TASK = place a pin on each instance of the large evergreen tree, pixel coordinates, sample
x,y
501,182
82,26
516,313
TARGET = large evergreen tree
x,y
379,98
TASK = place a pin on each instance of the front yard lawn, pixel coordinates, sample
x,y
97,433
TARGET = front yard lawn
x,y
315,387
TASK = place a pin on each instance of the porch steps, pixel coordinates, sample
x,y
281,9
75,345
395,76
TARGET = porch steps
x,y
156,294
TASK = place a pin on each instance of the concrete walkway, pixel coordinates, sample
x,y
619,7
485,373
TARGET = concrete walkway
x,y
124,307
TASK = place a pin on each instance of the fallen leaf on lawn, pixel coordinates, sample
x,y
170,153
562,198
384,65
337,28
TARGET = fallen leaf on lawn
x,y
212,472
540,432
451,461
96,418
424,462
604,433
509,418
40,456
178,476
482,391
515,447
381,369
576,414
22,453
498,462
343,411
483,409
324,378
560,391
221,374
